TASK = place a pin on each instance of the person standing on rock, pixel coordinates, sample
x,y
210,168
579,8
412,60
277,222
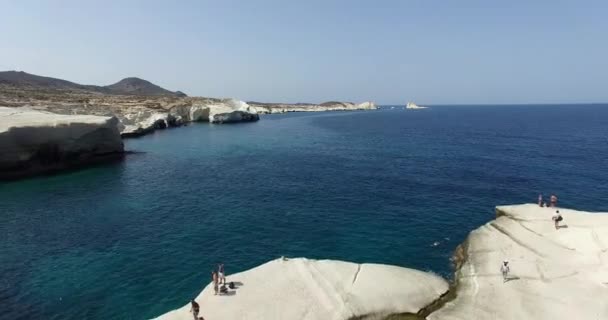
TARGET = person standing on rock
x,y
540,200
215,279
504,269
194,309
553,201
221,274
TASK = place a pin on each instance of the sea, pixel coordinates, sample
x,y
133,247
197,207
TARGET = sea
x,y
135,239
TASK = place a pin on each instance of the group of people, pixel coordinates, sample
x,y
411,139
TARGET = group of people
x,y
552,201
218,277
557,218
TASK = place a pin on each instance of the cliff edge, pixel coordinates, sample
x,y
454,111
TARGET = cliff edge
x,y
34,142
318,289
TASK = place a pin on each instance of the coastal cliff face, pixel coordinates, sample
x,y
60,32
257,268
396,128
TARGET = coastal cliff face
x,y
35,142
318,289
137,115
137,121
266,108
140,106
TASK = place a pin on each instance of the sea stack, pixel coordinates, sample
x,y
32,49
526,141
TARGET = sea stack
x,y
303,289
411,105
36,142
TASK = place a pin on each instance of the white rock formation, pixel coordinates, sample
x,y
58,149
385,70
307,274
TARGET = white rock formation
x,y
411,105
144,123
33,142
265,108
555,274
213,110
232,111
302,289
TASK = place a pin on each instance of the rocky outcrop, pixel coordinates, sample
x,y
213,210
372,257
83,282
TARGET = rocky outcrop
x,y
318,289
197,110
555,274
138,115
140,106
230,111
411,105
265,108
34,142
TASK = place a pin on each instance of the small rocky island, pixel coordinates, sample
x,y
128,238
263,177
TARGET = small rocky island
x,y
140,106
555,274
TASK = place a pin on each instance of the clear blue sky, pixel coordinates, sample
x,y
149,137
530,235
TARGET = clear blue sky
x,y
431,52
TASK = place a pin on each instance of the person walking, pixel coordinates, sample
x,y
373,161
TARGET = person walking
x,y
504,269
194,308
557,218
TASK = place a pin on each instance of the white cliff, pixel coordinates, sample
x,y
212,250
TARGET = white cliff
x,y
265,108
33,142
555,274
232,110
303,289
138,122
140,106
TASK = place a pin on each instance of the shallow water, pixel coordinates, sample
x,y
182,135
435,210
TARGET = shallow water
x,y
139,238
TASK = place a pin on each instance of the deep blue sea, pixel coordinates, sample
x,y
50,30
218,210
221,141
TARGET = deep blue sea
x,y
136,239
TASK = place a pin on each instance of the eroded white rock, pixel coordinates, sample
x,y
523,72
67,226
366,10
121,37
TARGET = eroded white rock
x,y
33,142
555,274
230,111
303,289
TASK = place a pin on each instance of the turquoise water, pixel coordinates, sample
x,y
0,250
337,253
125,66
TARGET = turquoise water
x,y
139,238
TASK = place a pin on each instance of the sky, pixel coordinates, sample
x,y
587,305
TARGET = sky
x,y
390,52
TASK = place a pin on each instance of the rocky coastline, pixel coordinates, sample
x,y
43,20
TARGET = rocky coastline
x,y
319,289
47,142
140,106
555,274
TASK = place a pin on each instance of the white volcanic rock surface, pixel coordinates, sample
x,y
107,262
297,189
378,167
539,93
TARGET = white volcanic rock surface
x,y
34,141
320,290
555,274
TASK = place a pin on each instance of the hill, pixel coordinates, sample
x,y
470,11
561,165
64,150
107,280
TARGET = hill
x,y
127,86
141,87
